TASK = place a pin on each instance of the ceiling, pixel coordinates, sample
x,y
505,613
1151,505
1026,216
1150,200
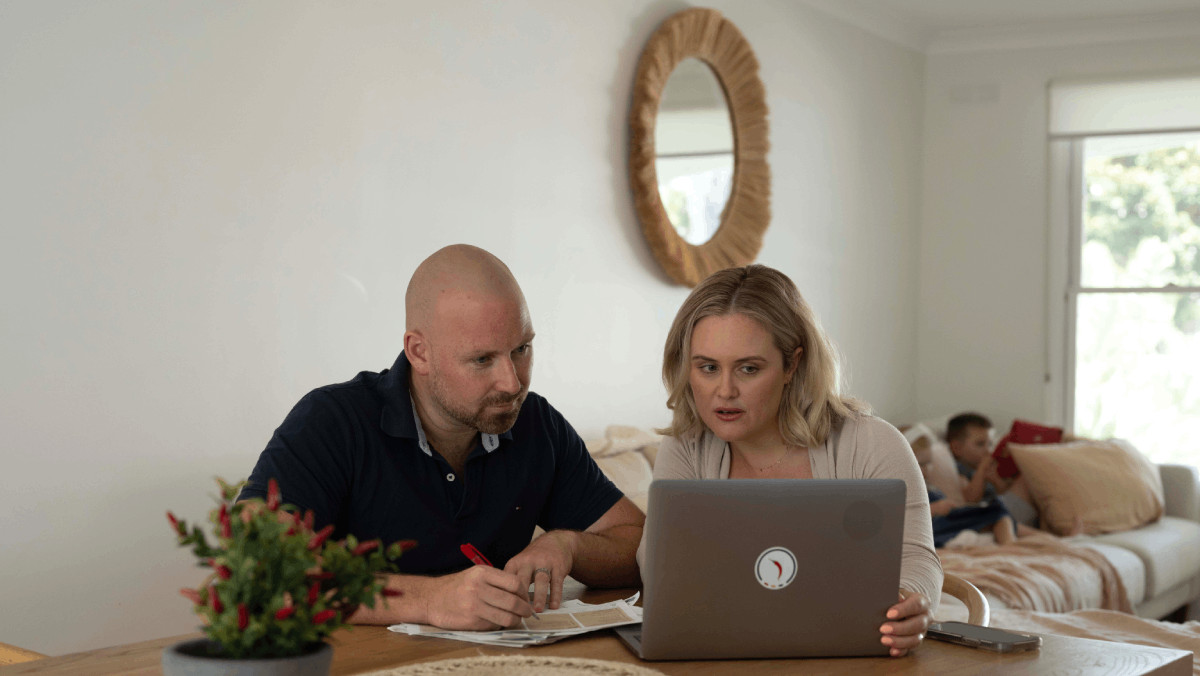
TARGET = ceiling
x,y
950,14
947,26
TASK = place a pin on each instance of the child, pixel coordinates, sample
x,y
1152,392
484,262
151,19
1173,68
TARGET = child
x,y
970,438
951,518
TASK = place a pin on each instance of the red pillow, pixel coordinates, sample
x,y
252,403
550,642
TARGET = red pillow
x,y
1022,432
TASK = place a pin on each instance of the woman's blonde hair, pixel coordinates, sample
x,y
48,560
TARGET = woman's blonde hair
x,y
813,405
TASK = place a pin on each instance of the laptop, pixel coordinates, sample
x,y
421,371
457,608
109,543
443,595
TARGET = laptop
x,y
769,568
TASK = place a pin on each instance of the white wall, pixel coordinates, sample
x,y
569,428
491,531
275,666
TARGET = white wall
x,y
208,209
985,340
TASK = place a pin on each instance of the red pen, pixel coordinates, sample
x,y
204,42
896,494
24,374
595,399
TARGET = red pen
x,y
479,559
475,555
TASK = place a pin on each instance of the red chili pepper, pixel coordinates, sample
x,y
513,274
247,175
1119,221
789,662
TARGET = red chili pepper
x,y
215,601
308,519
313,591
192,595
364,547
406,545
284,613
179,528
243,617
322,616
392,593
290,531
321,575
320,537
223,518
273,497
222,571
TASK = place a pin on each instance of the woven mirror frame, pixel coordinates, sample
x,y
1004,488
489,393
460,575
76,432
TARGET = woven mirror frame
x,y
706,35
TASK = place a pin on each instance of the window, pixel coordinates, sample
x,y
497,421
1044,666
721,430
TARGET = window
x,y
1133,292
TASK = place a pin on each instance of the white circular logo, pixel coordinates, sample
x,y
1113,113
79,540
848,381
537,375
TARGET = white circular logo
x,y
776,568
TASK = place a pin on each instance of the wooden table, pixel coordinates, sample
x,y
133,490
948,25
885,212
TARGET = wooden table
x,y
374,648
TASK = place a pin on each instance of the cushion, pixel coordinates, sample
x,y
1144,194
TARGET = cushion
x,y
1169,548
631,473
945,476
1109,484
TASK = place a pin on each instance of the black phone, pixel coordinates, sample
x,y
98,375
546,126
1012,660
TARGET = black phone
x,y
996,640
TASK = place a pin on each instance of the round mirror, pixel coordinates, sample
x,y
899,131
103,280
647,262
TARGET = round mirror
x,y
698,146
693,143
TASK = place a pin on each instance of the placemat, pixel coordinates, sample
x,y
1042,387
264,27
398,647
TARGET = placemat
x,y
519,665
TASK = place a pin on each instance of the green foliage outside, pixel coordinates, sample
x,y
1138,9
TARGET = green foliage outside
x,y
278,588
1137,369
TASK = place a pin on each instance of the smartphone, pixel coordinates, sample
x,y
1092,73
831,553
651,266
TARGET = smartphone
x,y
996,640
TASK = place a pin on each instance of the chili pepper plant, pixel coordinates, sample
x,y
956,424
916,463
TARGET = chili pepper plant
x,y
278,588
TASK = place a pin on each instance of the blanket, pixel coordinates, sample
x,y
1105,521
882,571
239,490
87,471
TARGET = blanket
x,y
1041,573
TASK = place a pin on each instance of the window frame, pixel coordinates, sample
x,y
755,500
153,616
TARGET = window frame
x,y
1068,154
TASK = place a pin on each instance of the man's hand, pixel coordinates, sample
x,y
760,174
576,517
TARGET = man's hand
x,y
480,598
907,622
553,552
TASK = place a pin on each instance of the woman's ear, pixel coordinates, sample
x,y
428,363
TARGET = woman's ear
x,y
795,364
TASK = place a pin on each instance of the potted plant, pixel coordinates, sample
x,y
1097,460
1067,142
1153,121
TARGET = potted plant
x,y
277,589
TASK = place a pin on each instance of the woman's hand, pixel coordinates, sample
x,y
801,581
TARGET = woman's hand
x,y
907,622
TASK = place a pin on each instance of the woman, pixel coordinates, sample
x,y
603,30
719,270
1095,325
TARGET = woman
x,y
753,384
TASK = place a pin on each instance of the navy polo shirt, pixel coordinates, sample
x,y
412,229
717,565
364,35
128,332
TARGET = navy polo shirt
x,y
353,454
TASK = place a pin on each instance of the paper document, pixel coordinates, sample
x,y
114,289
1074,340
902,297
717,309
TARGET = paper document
x,y
572,617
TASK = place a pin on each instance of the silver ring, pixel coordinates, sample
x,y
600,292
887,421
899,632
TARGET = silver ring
x,y
547,571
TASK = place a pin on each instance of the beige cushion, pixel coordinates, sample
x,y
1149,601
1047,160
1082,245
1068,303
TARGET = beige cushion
x,y
621,438
1109,484
631,473
1170,549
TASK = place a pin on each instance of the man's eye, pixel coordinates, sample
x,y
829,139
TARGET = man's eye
x,y
524,349
482,360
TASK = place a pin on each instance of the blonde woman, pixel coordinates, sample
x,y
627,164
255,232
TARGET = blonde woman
x,y
753,385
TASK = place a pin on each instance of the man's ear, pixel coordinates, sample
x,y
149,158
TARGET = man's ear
x,y
416,348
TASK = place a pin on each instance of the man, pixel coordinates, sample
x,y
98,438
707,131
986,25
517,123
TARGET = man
x,y
450,448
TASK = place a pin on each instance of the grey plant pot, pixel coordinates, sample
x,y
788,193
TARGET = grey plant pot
x,y
188,659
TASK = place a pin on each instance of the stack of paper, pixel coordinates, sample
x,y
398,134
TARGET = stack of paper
x,y
572,617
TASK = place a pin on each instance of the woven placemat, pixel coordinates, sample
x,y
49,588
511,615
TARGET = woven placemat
x,y
519,665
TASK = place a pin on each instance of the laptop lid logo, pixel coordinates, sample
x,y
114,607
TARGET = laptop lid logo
x,y
776,568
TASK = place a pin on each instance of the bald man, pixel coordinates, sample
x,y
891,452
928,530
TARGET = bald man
x,y
449,448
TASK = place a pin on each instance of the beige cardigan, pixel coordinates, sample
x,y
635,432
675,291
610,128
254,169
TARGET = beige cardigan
x,y
863,447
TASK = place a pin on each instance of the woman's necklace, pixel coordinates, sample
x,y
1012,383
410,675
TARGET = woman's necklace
x,y
786,452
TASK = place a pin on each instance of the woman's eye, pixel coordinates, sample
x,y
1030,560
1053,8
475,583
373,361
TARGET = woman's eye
x,y
749,370
708,368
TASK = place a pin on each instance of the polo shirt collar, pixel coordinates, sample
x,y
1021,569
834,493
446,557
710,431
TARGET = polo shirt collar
x,y
400,417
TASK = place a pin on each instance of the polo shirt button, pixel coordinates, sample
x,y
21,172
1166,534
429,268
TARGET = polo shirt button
x,y
450,476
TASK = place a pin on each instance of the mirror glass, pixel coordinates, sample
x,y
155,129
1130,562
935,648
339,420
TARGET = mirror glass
x,y
693,139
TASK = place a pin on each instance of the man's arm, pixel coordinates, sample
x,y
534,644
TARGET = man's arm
x,y
480,597
604,555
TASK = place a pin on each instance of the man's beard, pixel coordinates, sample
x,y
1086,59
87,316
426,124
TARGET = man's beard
x,y
488,423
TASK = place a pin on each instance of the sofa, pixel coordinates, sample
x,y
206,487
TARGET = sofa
x,y
1158,563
